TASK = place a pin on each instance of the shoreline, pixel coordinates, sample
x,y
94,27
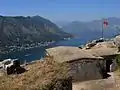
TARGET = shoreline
x,y
23,53
11,49
40,50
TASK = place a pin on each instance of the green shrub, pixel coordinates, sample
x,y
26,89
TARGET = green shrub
x,y
118,59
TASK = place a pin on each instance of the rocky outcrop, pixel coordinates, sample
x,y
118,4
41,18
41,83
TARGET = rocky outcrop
x,y
93,43
100,43
117,40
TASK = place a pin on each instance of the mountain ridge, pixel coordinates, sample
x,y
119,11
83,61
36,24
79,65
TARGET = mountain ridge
x,y
33,28
93,29
18,32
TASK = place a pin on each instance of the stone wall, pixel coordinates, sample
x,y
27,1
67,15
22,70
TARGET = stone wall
x,y
82,70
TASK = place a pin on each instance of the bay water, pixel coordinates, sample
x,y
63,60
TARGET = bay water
x,y
38,53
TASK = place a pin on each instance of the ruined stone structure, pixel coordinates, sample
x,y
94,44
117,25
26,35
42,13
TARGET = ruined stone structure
x,y
87,64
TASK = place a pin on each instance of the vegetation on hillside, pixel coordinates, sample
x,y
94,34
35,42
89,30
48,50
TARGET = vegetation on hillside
x,y
118,60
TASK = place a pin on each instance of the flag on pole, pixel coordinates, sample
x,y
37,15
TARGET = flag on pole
x,y
105,23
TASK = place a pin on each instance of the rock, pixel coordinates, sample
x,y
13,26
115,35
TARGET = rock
x,y
10,70
100,40
93,43
107,44
19,70
89,45
117,40
16,63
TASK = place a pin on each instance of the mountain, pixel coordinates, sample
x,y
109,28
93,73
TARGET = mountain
x,y
22,30
93,29
61,23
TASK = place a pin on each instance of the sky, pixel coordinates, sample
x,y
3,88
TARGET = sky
x,y
62,10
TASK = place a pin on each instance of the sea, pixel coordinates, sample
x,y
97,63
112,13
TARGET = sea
x,y
39,53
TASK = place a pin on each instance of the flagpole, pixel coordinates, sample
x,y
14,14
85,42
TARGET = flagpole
x,y
102,29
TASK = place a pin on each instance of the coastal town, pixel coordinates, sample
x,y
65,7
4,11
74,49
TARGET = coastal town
x,y
21,47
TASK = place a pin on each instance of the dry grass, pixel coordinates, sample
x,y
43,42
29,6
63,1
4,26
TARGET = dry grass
x,y
39,75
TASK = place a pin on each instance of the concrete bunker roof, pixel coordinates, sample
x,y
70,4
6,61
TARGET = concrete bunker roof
x,y
68,53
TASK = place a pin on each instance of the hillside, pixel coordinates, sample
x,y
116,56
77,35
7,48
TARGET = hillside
x,y
41,75
19,30
93,28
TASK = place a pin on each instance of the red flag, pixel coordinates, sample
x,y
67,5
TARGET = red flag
x,y
105,23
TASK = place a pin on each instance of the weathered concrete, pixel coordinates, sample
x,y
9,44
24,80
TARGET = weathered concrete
x,y
83,70
103,51
66,54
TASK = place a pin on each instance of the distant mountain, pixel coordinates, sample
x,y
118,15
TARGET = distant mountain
x,y
92,30
22,30
60,24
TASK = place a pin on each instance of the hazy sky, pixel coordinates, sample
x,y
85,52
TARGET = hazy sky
x,y
62,10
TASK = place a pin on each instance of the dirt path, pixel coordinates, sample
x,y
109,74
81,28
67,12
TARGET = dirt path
x,y
111,83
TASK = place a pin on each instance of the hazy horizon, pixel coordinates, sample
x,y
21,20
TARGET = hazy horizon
x,y
62,10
